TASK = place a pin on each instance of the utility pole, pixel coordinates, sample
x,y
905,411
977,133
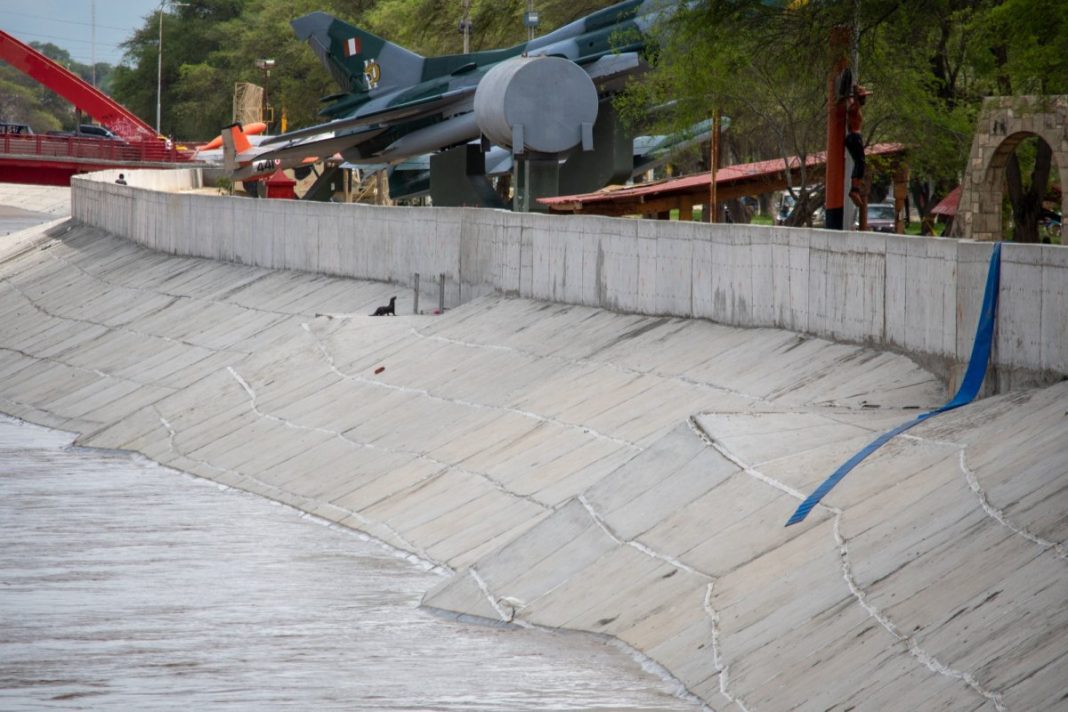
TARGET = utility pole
x,y
465,25
531,20
92,13
159,66
159,57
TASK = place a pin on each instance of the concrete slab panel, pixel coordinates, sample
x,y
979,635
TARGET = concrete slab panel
x,y
1054,311
674,273
647,272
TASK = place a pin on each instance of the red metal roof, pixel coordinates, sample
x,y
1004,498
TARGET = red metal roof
x,y
948,206
724,177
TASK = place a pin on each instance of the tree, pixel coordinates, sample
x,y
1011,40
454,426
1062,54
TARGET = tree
x,y
194,33
431,27
298,80
763,66
21,104
929,65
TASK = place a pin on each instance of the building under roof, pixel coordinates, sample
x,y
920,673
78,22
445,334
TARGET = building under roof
x,y
732,182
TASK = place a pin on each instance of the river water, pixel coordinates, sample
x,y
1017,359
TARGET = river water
x,y
128,586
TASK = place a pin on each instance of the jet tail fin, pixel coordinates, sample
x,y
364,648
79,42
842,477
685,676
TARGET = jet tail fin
x,y
358,60
234,141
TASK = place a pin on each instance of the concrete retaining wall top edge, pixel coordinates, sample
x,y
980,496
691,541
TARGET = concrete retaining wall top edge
x,y
916,295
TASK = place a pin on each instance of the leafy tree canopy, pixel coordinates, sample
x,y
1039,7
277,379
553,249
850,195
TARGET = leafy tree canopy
x,y
766,64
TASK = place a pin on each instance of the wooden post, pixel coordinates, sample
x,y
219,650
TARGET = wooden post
x,y
834,175
713,167
901,191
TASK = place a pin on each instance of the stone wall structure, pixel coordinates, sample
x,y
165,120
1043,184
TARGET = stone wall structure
x,y
1003,124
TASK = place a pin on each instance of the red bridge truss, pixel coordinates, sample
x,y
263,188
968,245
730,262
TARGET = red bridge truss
x,y
52,160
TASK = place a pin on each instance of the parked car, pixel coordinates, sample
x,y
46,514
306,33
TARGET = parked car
x,y
94,131
881,217
87,131
7,129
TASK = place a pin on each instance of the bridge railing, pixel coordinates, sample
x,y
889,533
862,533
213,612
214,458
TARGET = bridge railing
x,y
75,147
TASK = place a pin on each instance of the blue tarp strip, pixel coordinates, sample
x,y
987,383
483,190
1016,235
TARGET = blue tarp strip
x,y
969,388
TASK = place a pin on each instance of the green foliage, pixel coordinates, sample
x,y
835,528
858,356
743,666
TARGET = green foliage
x,y
197,100
20,104
198,34
298,80
431,27
1035,35
766,65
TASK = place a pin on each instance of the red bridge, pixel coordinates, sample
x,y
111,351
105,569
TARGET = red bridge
x,y
52,160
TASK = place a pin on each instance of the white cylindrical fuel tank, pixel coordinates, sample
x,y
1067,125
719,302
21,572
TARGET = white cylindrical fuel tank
x,y
548,98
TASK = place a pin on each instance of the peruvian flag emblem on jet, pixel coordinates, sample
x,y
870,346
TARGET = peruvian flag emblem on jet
x,y
352,46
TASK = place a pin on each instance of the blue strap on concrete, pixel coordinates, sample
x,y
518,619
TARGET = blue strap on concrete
x,y
969,388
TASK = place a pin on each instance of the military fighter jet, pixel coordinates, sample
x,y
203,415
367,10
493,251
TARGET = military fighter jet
x,y
395,103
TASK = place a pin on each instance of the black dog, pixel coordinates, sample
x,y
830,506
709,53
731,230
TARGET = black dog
x,y
390,310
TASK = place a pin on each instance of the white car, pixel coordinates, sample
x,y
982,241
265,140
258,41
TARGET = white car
x,y
881,217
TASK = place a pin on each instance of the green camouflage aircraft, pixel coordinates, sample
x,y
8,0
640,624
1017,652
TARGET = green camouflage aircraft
x,y
395,103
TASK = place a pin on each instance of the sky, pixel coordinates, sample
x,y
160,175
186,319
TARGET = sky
x,y
69,24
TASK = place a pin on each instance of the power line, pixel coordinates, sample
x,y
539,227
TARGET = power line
x,y
65,22
63,39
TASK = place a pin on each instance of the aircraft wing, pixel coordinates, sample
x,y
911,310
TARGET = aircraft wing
x,y
384,117
609,71
318,147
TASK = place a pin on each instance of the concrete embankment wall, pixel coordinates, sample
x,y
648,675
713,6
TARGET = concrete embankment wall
x,y
576,468
921,296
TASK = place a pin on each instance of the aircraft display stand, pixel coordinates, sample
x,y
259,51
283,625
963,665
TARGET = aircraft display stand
x,y
458,178
611,162
534,177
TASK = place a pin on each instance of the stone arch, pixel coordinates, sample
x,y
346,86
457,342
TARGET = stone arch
x,y
1003,123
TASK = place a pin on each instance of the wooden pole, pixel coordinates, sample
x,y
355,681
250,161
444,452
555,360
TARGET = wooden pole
x,y
465,25
834,176
901,188
713,163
